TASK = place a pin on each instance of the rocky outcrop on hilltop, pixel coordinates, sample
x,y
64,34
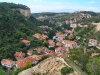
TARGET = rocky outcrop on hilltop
x,y
50,66
25,12
78,16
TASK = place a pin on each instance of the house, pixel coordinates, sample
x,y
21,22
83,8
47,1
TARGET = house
x,y
73,25
51,43
58,44
95,54
19,55
70,44
26,42
37,35
29,59
93,42
7,63
60,50
41,37
60,35
44,37
69,33
20,64
29,52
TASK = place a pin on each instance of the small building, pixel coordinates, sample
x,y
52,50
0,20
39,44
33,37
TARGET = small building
x,y
60,35
95,54
58,44
70,44
93,42
29,52
19,55
60,50
44,37
26,42
7,63
51,43
37,35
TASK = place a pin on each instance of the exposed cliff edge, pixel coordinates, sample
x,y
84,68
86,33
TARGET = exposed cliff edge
x,y
50,66
25,12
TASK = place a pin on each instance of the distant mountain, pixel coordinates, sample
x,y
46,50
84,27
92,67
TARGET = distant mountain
x,y
64,18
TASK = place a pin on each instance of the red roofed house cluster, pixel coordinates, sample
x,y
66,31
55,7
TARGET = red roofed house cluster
x,y
41,37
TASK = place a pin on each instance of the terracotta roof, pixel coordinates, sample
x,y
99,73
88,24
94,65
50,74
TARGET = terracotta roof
x,y
93,40
58,44
37,35
95,54
7,62
60,48
22,63
59,34
71,35
70,42
51,42
44,37
25,41
36,57
19,54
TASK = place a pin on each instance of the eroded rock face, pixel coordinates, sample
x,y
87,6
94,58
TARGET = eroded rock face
x,y
25,12
50,66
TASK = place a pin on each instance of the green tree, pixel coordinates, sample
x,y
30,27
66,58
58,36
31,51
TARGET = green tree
x,y
51,33
66,70
2,72
93,66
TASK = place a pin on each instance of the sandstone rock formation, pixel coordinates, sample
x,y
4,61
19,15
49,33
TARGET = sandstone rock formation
x,y
25,12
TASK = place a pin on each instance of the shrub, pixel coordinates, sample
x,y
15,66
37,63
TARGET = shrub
x,y
66,70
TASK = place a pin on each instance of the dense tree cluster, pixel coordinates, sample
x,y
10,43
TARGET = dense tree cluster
x,y
14,27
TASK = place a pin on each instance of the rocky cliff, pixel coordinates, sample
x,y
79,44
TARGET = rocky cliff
x,y
25,12
64,18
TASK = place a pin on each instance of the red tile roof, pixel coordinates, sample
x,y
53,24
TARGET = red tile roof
x,y
60,48
95,54
58,44
70,42
25,41
7,62
37,35
51,42
93,40
22,63
19,54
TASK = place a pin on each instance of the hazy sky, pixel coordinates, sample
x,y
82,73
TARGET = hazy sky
x,y
59,5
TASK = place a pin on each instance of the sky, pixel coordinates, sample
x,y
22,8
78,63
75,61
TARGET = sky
x,y
38,6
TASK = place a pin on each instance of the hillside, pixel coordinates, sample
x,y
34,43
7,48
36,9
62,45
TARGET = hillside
x,y
53,66
50,66
64,18
16,23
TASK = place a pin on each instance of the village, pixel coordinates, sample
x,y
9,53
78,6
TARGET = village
x,y
57,46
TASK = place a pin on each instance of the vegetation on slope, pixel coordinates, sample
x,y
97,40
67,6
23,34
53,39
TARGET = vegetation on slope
x,y
13,27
